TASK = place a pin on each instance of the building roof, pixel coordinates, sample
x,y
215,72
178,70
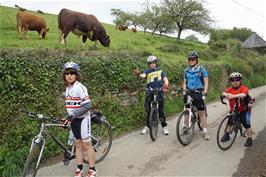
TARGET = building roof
x,y
254,41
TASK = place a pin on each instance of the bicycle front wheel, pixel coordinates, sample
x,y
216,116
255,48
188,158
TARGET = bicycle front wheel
x,y
153,123
225,142
185,128
33,160
102,134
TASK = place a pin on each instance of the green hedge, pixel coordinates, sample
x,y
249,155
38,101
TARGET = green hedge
x,y
32,79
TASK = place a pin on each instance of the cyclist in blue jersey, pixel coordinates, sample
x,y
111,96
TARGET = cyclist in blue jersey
x,y
196,80
156,78
78,104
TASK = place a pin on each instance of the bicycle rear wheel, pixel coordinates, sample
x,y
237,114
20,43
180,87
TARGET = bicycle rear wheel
x,y
185,128
226,127
102,134
153,123
33,160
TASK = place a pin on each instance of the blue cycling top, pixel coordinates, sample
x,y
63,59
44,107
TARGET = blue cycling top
x,y
195,78
154,77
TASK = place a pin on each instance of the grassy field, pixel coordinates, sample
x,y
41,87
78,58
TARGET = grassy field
x,y
164,47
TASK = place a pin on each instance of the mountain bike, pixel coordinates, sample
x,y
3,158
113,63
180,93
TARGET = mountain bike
x,y
154,119
231,124
101,140
186,121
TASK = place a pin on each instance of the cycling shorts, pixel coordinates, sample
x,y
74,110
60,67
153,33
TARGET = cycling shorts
x,y
81,128
245,119
197,100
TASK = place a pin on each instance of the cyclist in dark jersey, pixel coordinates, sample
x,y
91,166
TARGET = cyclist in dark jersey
x,y
156,78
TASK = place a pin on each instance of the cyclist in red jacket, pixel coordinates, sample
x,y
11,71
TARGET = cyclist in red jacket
x,y
238,90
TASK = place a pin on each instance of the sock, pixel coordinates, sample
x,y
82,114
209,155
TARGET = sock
x,y
205,130
80,167
92,168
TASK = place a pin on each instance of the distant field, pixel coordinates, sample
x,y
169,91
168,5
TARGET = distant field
x,y
165,47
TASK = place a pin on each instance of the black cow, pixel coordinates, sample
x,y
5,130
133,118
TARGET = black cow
x,y
81,24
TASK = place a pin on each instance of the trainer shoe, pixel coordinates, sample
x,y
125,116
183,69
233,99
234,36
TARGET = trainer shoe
x,y
165,131
92,173
78,173
248,142
225,138
206,136
145,131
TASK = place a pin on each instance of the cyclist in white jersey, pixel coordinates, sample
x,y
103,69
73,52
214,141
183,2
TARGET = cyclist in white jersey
x,y
77,102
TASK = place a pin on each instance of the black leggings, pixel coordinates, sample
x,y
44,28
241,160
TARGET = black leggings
x,y
148,100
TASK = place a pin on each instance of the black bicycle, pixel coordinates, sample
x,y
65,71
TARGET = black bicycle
x,y
154,119
186,121
101,140
230,125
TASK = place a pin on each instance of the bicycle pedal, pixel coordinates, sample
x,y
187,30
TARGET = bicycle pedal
x,y
66,162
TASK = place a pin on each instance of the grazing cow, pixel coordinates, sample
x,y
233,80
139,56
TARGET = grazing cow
x,y
121,27
26,21
134,30
81,24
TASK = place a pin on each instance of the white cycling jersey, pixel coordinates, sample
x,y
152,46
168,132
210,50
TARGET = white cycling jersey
x,y
76,95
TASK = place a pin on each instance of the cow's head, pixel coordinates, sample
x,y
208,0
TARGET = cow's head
x,y
105,41
100,35
43,32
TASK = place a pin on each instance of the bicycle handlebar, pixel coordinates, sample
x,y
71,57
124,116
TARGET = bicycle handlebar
x,y
152,89
41,116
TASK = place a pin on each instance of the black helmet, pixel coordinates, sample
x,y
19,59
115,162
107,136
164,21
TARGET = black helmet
x,y
193,54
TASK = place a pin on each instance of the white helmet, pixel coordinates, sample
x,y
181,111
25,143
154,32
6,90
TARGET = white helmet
x,y
71,65
151,59
235,74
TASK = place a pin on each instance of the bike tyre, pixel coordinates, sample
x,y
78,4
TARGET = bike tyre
x,y
178,131
233,132
104,135
33,156
153,123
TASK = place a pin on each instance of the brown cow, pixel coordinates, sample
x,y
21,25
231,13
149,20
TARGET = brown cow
x,y
134,30
81,24
27,21
121,27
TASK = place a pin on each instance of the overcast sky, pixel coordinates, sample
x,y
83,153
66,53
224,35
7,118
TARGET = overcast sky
x,y
226,13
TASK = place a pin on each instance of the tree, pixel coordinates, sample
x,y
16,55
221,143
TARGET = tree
x,y
143,21
188,14
192,37
121,17
156,19
236,33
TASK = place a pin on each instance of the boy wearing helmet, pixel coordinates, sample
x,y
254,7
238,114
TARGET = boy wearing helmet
x,y
238,90
196,80
156,79
78,104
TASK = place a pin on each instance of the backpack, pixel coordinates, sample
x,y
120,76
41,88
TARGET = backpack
x,y
199,73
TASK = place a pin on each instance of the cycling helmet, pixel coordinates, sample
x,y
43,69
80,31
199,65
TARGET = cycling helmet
x,y
152,59
193,54
71,65
235,74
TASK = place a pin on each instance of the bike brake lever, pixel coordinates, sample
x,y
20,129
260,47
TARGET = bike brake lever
x,y
222,100
55,120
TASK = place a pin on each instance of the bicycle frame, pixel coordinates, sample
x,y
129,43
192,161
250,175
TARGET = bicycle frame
x,y
40,138
191,109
